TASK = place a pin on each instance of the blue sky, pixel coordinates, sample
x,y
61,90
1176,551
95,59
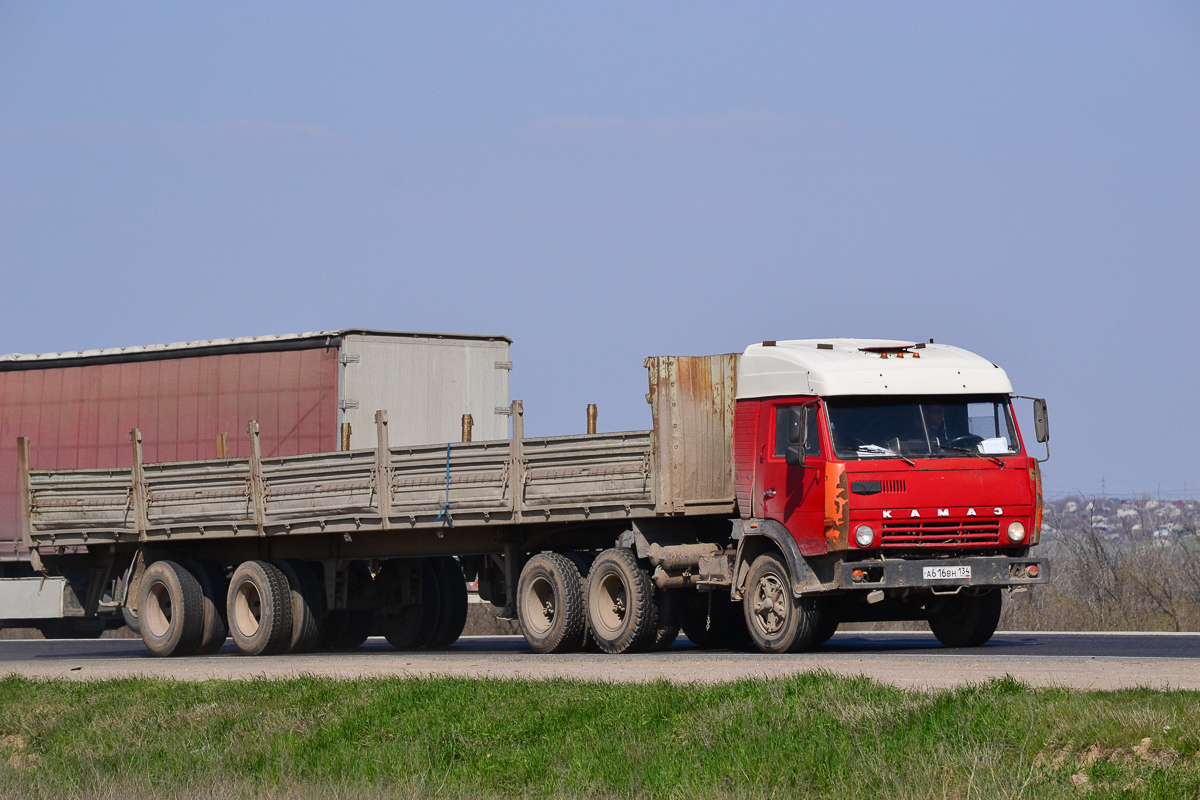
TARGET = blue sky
x,y
603,183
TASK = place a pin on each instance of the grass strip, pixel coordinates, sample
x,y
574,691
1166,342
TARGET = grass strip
x,y
810,735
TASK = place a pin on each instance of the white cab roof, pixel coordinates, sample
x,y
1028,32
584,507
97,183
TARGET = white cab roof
x,y
830,367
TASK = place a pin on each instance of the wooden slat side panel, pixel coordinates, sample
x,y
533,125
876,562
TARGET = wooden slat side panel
x,y
611,469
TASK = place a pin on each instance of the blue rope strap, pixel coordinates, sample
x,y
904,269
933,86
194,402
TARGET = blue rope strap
x,y
445,512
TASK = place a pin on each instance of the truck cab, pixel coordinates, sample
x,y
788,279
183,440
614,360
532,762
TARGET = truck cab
x,y
891,477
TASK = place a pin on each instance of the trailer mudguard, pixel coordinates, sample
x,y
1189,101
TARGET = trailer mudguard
x,y
760,535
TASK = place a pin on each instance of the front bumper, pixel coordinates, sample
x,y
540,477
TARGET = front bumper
x,y
897,573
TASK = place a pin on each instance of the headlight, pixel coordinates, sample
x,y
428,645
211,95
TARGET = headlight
x,y
864,535
1016,532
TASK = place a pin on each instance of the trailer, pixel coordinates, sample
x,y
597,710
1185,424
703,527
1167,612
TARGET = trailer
x,y
310,392
779,493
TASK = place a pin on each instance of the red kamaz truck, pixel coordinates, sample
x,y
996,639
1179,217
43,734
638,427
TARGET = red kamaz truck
x,y
778,494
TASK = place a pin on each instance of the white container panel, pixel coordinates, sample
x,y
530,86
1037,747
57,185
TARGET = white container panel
x,y
426,384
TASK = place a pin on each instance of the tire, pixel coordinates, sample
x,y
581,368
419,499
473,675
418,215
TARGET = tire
x,y
711,620
778,622
431,603
550,605
213,588
622,614
333,625
668,602
583,563
826,628
452,597
308,603
259,608
967,620
359,623
401,630
170,610
131,621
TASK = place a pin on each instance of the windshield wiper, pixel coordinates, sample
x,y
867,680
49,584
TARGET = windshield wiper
x,y
970,452
874,449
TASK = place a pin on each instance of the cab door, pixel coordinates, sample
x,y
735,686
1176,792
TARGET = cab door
x,y
792,493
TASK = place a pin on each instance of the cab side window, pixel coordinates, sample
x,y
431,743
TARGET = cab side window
x,y
812,446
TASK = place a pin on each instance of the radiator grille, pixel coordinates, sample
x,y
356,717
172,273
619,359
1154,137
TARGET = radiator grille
x,y
942,533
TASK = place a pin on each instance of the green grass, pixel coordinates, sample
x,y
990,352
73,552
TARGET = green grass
x,y
811,735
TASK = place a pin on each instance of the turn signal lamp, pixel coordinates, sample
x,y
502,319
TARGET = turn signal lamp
x,y
1016,532
864,535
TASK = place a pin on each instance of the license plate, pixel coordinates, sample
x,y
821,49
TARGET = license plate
x,y
947,573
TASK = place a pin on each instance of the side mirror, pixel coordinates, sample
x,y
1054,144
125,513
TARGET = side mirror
x,y
1041,423
797,434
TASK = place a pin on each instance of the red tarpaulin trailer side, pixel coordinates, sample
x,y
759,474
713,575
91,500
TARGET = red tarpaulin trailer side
x,y
79,417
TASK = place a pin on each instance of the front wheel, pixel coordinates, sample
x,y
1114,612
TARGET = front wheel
x,y
967,620
778,622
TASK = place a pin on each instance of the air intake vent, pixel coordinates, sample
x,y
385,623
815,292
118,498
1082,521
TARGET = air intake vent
x,y
894,486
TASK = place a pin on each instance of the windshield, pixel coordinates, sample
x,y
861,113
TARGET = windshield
x,y
951,426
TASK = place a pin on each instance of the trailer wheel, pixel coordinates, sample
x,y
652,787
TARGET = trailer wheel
x,y
131,621
967,620
778,622
431,603
550,606
73,628
452,596
170,610
359,622
260,609
308,604
620,600
213,588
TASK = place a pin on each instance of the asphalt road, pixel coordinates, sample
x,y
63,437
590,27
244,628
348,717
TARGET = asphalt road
x,y
1101,661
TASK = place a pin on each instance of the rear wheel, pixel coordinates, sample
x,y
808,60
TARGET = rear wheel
x,y
550,604
213,588
259,607
170,610
131,619
967,620
620,599
452,599
308,606
778,622
78,628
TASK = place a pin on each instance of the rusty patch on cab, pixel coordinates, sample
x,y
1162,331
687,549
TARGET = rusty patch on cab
x,y
837,507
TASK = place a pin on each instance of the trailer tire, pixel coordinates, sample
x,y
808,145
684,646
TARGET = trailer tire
x,y
967,620
170,610
213,587
308,605
357,630
778,621
431,603
452,597
550,604
259,608
131,621
620,601
73,628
